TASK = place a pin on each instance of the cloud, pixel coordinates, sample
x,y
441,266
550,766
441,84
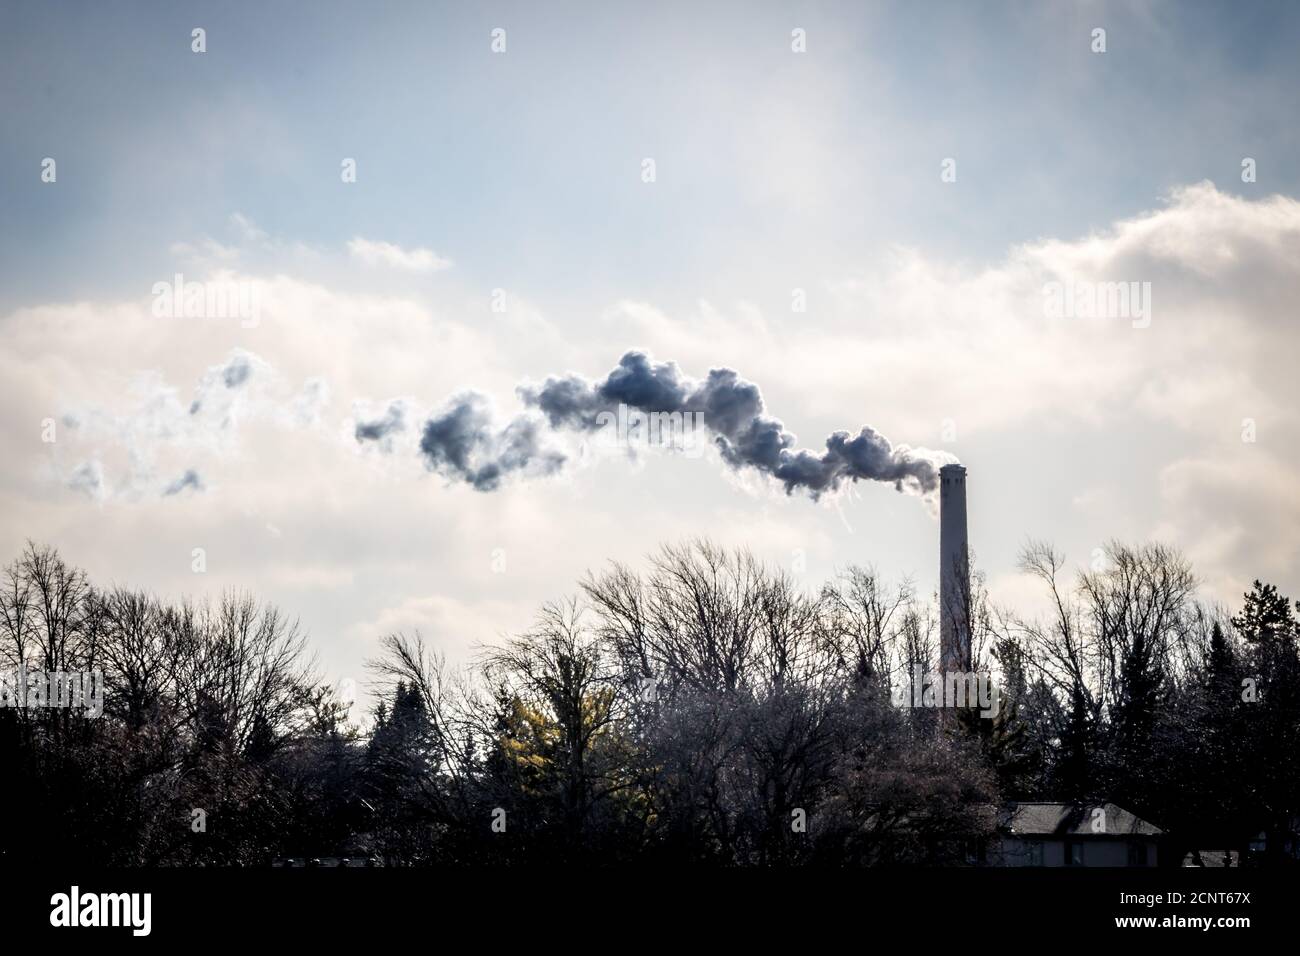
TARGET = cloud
x,y
140,436
1236,513
88,478
449,623
191,479
232,375
248,230
393,420
236,371
373,252
205,251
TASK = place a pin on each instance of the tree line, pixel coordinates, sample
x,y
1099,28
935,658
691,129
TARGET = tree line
x,y
705,709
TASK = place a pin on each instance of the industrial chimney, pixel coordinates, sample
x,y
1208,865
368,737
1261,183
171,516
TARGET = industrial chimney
x,y
954,572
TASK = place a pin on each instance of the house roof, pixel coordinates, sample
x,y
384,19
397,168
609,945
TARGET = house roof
x,y
1072,819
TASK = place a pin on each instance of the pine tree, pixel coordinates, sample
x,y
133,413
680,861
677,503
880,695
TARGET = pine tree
x,y
1266,619
1074,770
1270,719
399,775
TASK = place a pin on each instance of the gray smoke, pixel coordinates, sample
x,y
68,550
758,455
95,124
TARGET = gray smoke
x,y
191,479
394,420
236,371
732,409
88,478
462,443
232,375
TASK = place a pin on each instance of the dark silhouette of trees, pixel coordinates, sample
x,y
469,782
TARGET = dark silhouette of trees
x,y
706,709
1270,630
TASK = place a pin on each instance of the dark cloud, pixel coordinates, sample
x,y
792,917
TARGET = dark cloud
x,y
236,371
463,443
232,375
190,479
88,477
394,420
732,409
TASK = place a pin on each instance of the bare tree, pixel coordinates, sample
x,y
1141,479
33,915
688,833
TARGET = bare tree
x,y
17,616
694,621
138,654
450,706
864,618
238,668
58,606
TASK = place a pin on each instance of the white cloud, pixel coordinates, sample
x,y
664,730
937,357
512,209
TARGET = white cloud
x,y
374,252
1235,512
248,230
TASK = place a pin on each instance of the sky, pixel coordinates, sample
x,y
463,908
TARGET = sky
x,y
859,208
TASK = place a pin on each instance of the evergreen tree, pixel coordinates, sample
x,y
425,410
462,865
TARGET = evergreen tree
x,y
1073,776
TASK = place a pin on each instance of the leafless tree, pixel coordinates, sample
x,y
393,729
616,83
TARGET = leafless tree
x,y
56,602
864,619
451,706
694,621
1062,651
138,654
17,616
239,668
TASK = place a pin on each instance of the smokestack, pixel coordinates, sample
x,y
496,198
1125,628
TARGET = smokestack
x,y
954,572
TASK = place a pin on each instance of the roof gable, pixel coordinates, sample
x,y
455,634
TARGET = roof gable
x,y
1073,819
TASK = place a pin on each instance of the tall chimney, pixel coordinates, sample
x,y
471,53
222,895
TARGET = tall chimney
x,y
954,572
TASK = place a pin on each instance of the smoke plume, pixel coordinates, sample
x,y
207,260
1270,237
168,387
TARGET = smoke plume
x,y
463,443
732,409
190,479
394,420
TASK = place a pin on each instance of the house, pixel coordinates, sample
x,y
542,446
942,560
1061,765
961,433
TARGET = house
x,y
1271,846
1072,834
